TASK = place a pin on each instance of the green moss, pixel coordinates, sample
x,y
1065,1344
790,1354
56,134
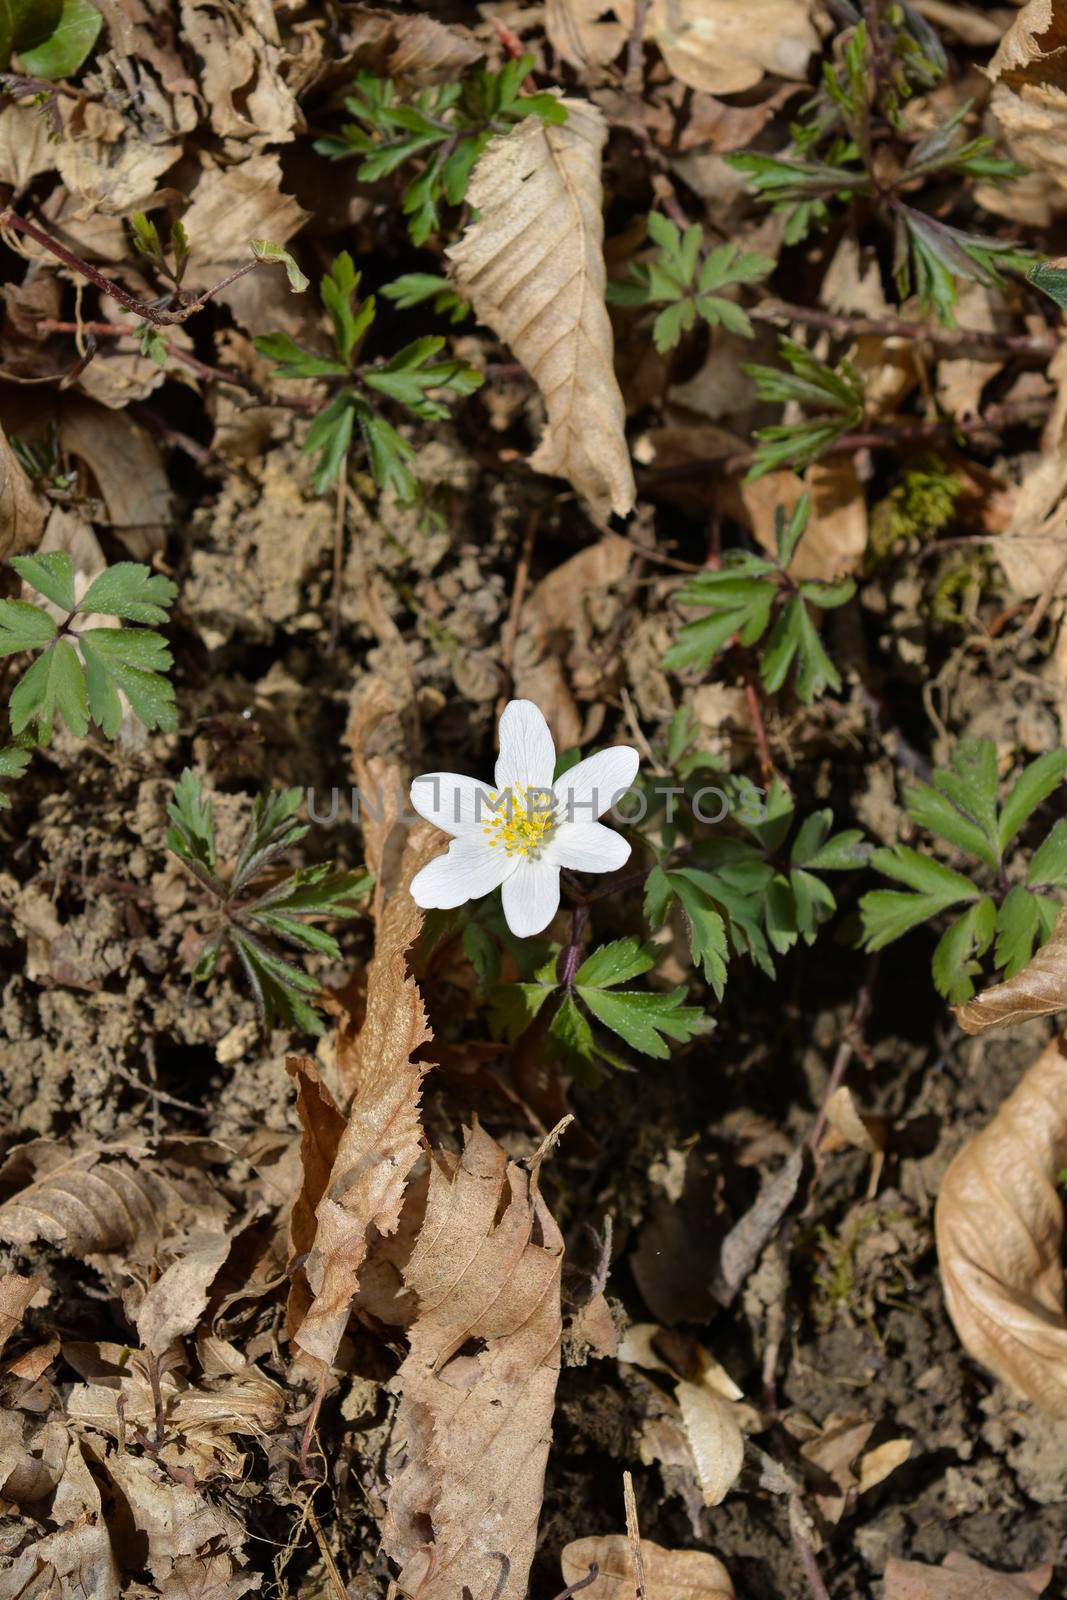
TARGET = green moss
x,y
915,511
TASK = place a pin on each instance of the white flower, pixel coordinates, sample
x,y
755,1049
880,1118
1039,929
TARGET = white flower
x,y
522,832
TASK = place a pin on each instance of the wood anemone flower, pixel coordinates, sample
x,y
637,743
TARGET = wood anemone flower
x,y
519,834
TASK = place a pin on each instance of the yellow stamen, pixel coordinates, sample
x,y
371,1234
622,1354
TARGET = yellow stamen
x,y
524,823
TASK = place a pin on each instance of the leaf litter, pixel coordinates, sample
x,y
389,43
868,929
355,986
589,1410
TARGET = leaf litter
x,y
301,1323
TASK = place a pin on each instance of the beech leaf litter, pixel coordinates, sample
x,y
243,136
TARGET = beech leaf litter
x,y
660,405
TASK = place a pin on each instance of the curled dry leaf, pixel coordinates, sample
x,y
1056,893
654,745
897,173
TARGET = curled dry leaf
x,y
16,1292
718,46
533,268
669,1574
380,1143
1038,990
93,1201
245,93
707,1400
21,509
1029,99
477,1388
322,1126
999,1226
725,46
126,463
77,1559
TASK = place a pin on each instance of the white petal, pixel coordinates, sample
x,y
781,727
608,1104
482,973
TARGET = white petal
x,y
451,801
467,871
531,896
527,757
588,790
589,847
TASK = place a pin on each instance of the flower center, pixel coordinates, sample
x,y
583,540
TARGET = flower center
x,y
522,821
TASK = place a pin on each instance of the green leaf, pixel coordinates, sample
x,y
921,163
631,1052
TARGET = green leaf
x,y
936,813
887,914
954,963
330,436
55,682
789,528
513,1006
389,452
671,324
707,930
415,288
67,46
131,591
296,362
273,830
815,671
1018,922
483,955
13,763
1034,785
277,987
338,290
1051,278
51,574
192,836
971,781
572,1033
1048,864
645,1020
267,250
615,963
26,23
131,660
24,627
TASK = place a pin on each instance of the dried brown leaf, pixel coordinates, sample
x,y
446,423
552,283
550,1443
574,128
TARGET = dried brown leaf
x,y
999,1227
725,46
92,1201
425,51
174,1304
128,468
26,149
557,648
877,1464
669,1574
1029,99
247,99
202,1418
192,1547
715,1438
33,1455
960,1578
380,1143
16,1292
78,1558
478,1385
533,267
587,33
1038,990
230,207
21,509
836,537
322,1126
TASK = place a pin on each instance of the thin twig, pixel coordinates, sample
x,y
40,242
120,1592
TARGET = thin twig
x,y
633,1533
755,709
583,1583
150,313
987,343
